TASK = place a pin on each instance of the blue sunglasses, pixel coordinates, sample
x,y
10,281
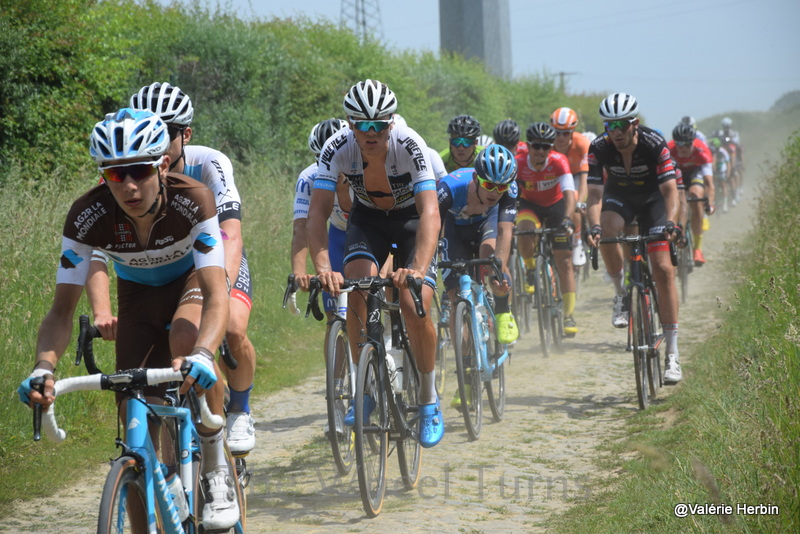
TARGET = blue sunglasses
x,y
462,141
365,126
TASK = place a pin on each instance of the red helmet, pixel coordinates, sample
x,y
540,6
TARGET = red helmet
x,y
564,119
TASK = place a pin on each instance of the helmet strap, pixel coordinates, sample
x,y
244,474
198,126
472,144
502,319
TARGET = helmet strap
x,y
182,156
154,207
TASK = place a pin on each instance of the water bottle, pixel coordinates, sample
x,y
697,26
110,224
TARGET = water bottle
x,y
175,488
394,363
482,312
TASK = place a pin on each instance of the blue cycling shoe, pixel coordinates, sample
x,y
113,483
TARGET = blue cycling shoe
x,y
431,424
350,416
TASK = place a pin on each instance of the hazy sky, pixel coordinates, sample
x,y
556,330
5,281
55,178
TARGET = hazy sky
x,y
696,57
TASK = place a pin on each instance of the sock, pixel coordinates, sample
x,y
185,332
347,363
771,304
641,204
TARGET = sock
x,y
569,303
239,401
427,390
698,242
618,279
671,337
501,304
213,452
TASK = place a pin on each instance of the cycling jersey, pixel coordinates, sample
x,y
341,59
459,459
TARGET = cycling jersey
x,y
215,170
302,199
185,235
651,164
722,161
452,193
407,166
578,154
439,170
699,161
450,164
544,187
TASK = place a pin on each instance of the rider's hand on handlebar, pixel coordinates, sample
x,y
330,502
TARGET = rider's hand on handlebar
x,y
594,235
28,395
709,208
303,281
106,324
671,231
568,225
399,277
202,371
331,281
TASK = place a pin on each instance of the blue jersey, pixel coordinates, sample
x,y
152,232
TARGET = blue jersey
x,y
453,192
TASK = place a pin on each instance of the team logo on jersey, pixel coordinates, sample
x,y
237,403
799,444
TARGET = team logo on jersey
x,y
204,243
70,260
123,233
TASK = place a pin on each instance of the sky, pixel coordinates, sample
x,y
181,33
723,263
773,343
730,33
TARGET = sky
x,y
679,57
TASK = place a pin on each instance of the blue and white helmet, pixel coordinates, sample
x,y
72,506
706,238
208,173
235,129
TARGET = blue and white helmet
x,y
128,134
496,164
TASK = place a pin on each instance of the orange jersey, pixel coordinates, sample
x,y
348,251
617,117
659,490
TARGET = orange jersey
x,y
578,154
544,187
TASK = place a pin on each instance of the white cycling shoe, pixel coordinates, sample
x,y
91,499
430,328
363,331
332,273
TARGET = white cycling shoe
x,y
240,433
221,510
672,373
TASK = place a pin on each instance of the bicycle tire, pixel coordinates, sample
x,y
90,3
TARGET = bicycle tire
x,y
200,500
467,370
638,331
496,387
336,343
654,357
556,307
409,450
522,304
371,439
541,299
124,487
442,343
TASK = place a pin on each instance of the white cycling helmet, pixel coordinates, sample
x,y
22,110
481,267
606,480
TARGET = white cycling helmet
x,y
484,140
322,131
128,134
619,106
726,122
167,101
369,100
591,136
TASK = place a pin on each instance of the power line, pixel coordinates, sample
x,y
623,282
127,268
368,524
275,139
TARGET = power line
x,y
362,17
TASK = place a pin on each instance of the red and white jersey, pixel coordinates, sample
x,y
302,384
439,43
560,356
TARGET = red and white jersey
x,y
544,187
700,157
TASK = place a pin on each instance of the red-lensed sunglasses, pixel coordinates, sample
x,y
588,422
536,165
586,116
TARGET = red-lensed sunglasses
x,y
491,186
138,172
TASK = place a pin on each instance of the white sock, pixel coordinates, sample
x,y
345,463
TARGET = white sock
x,y
618,280
671,338
427,390
213,449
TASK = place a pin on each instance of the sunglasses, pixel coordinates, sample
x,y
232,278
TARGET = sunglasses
x,y
366,126
621,125
491,186
564,133
174,132
137,171
462,141
684,143
541,146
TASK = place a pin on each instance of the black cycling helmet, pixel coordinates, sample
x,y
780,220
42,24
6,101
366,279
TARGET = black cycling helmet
x,y
540,131
464,126
684,133
506,132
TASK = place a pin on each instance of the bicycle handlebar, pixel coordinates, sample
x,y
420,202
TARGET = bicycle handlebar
x,y
635,239
116,382
367,283
462,265
538,231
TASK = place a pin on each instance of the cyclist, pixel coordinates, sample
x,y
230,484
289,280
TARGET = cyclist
x,y
464,131
506,133
640,183
478,208
162,232
696,164
395,203
722,167
730,140
437,164
546,190
214,169
689,121
576,148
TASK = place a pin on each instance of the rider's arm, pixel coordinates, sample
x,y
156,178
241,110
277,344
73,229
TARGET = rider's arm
x,y
316,231
593,204
232,242
428,231
56,327
299,246
343,194
502,249
214,315
97,291
669,189
583,188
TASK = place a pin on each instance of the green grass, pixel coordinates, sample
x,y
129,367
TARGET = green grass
x,y
731,433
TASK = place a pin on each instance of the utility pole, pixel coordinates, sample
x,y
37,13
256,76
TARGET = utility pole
x,y
362,17
561,76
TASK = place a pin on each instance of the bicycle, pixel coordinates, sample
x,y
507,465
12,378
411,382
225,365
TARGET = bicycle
x,y
440,312
339,378
135,493
378,374
685,251
480,358
644,324
547,293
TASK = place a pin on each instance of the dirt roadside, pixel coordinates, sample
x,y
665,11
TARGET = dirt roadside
x,y
539,460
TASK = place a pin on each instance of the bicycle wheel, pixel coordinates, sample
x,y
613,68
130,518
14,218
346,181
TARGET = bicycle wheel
x,y
372,433
521,301
638,332
496,387
122,503
656,338
467,370
556,307
409,450
338,361
441,314
541,297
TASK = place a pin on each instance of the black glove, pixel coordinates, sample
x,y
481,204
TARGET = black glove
x,y
596,231
568,225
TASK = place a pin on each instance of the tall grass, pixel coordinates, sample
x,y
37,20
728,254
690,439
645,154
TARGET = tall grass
x,y
734,432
